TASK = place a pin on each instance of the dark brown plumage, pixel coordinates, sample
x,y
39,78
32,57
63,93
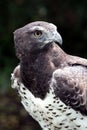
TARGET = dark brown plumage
x,y
45,66
35,55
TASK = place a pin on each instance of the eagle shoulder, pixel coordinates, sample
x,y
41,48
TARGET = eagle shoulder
x,y
70,85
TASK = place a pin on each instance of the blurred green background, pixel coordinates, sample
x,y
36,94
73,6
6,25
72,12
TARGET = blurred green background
x,y
71,19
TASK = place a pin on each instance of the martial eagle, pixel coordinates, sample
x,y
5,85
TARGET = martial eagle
x,y
52,84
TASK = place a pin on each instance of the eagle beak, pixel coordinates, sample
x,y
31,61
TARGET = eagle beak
x,y
57,38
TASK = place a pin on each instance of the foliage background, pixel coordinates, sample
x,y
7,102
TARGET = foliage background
x,y
70,16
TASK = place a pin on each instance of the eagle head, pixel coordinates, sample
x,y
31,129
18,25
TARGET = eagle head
x,y
35,36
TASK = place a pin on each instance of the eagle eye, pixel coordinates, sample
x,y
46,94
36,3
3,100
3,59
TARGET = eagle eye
x,y
37,33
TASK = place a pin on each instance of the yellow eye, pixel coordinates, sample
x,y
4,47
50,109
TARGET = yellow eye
x,y
37,33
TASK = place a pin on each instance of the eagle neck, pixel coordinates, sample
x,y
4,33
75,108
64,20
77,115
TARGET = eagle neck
x,y
36,73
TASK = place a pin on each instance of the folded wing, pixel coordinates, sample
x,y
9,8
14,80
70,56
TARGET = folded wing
x,y
70,85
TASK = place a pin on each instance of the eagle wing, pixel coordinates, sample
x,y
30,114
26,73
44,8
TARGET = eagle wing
x,y
70,85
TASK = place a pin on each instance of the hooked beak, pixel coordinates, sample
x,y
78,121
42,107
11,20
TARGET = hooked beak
x,y
56,37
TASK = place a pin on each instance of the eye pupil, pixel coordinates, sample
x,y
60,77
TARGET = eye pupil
x,y
37,33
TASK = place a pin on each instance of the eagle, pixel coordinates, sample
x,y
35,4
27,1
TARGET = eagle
x,y
51,83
